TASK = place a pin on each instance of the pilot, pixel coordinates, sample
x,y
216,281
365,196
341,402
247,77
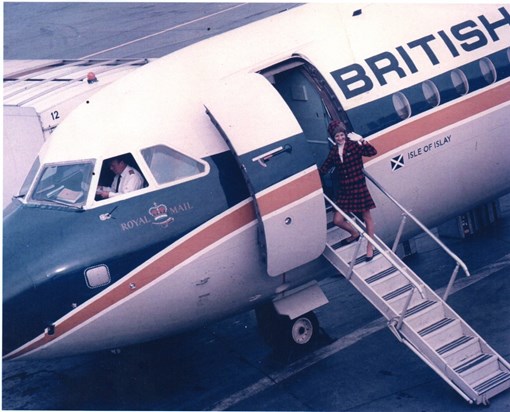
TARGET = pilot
x,y
352,195
127,179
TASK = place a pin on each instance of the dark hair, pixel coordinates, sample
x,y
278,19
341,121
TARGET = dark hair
x,y
336,126
121,158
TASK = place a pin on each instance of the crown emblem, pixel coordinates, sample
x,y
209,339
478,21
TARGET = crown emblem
x,y
158,212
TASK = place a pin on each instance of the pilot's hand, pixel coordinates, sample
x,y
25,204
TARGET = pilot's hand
x,y
103,193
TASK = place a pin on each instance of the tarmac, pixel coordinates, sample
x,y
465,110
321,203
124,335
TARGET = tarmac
x,y
357,364
69,30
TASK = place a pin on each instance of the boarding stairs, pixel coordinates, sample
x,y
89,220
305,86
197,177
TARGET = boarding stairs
x,y
417,316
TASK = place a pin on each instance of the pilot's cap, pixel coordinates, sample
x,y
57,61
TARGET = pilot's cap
x,y
336,126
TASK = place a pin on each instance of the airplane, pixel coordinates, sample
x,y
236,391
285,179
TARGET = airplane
x,y
232,216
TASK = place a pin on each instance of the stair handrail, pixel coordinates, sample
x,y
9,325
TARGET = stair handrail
x,y
425,229
389,258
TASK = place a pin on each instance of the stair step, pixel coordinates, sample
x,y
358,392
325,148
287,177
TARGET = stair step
x,y
454,344
429,313
334,234
397,292
381,275
338,245
435,326
445,334
418,308
388,284
361,258
478,369
398,303
460,350
492,382
472,363
375,267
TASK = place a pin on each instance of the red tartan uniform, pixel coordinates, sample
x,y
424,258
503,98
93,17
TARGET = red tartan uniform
x,y
352,192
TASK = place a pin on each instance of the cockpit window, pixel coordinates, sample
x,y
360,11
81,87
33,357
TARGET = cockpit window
x,y
168,165
63,184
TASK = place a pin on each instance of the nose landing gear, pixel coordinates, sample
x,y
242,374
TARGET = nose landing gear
x,y
283,333
303,329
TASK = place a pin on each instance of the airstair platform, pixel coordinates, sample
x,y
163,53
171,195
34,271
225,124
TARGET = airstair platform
x,y
418,317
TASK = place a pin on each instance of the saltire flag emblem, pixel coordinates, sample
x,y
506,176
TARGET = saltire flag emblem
x,y
397,162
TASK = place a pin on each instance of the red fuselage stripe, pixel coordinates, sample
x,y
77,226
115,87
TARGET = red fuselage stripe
x,y
217,230
442,118
289,193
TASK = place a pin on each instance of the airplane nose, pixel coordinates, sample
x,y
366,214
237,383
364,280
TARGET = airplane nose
x,y
18,308
23,308
19,299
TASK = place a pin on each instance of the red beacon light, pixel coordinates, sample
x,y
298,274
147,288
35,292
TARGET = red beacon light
x,y
91,78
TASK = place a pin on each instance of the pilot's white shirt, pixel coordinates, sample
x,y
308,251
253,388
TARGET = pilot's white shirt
x,y
130,180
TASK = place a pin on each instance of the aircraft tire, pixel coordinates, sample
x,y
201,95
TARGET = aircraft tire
x,y
303,330
282,333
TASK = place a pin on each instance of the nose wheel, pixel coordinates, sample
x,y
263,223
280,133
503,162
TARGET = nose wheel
x,y
303,330
280,332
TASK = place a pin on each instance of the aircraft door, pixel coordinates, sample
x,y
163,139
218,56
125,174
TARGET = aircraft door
x,y
278,167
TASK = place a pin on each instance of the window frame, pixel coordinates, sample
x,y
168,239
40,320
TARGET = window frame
x,y
31,200
135,163
153,178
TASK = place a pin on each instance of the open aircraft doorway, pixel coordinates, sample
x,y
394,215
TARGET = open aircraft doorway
x,y
309,98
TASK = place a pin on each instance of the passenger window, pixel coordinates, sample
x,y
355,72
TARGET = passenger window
x,y
460,81
431,93
119,175
488,70
168,165
401,105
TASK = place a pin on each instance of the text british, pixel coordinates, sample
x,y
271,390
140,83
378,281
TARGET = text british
x,y
466,36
